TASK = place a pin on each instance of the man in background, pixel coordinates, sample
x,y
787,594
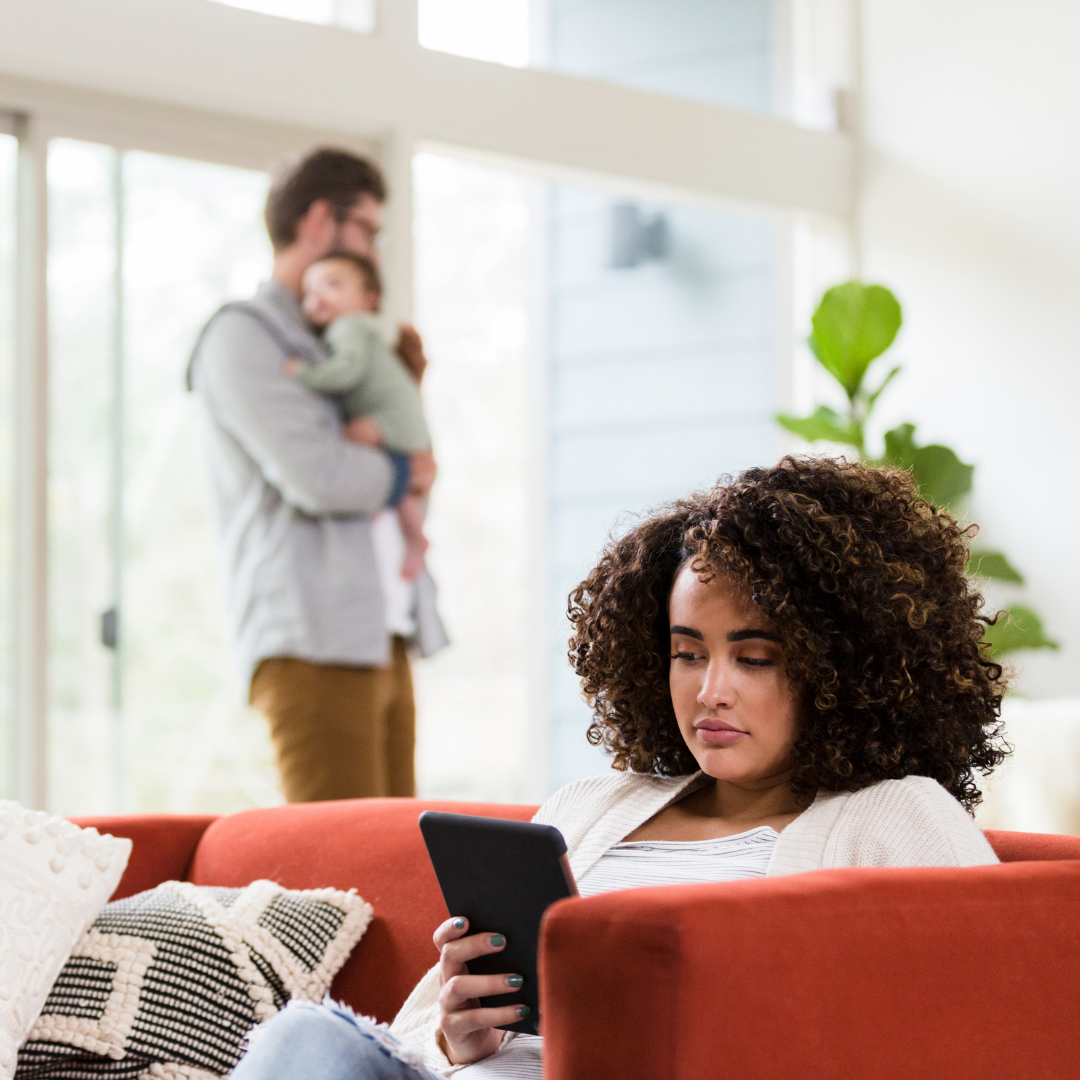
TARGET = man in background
x,y
321,616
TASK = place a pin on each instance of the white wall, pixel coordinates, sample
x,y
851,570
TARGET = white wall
x,y
971,213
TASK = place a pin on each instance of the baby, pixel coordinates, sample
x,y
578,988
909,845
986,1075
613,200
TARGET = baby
x,y
380,399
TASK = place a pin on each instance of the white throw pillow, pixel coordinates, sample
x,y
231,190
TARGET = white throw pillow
x,y
54,879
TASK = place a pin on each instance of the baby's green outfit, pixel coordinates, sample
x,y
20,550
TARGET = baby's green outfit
x,y
367,379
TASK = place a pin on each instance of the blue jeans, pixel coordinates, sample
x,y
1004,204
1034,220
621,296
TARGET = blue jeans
x,y
326,1042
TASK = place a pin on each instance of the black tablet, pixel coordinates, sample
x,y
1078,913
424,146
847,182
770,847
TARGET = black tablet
x,y
502,876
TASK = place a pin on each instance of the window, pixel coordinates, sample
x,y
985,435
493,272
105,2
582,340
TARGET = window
x,y
145,711
475,243
496,30
646,302
720,52
785,57
564,325
356,15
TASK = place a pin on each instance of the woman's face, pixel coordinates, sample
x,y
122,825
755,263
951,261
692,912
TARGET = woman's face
x,y
735,706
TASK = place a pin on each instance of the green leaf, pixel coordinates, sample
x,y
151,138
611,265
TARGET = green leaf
x,y
853,325
1017,628
942,477
824,423
900,446
992,564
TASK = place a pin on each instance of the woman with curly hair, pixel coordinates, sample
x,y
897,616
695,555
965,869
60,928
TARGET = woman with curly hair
x,y
788,672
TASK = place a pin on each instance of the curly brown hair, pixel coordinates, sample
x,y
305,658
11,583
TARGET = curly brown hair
x,y
865,582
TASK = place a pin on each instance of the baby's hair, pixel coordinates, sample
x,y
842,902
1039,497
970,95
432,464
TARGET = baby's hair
x,y
369,272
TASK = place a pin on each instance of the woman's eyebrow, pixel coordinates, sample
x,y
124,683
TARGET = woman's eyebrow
x,y
685,631
746,635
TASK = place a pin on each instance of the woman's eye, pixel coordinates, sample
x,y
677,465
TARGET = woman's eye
x,y
755,661
684,656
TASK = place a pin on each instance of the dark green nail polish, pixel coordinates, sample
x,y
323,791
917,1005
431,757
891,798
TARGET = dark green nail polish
x,y
459,924
515,981
523,1011
497,940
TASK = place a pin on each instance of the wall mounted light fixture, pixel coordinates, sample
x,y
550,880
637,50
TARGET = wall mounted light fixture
x,y
636,237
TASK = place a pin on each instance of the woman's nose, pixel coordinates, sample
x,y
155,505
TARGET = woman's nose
x,y
716,689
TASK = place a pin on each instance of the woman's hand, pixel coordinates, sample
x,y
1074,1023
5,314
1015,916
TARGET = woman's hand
x,y
467,1032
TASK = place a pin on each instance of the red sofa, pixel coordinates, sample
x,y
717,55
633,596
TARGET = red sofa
x,y
835,975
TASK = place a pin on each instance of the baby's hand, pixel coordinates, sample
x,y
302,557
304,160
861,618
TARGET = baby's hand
x,y
365,431
293,367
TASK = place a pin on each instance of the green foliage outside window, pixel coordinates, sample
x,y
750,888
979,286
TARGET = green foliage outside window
x,y
854,325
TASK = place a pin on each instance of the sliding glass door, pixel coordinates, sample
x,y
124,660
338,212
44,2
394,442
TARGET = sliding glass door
x,y
144,710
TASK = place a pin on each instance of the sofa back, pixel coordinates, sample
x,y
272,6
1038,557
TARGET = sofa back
x,y
374,846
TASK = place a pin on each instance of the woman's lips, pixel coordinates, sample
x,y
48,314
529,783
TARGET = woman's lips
x,y
718,733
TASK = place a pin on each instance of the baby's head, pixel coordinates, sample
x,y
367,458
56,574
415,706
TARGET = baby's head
x,y
340,283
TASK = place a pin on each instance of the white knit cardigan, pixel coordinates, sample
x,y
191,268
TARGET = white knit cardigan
x,y
909,822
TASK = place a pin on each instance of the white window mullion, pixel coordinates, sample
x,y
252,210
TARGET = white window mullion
x,y
31,464
397,261
396,20
117,530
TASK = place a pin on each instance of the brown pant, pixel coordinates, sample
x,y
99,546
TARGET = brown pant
x,y
340,732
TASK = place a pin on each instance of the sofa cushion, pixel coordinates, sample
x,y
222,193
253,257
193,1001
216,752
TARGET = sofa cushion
x,y
169,982
372,845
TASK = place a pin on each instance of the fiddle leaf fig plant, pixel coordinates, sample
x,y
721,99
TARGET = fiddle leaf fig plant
x,y
853,326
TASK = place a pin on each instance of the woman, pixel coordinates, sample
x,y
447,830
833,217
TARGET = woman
x,y
787,672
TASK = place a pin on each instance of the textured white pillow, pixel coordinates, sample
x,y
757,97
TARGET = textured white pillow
x,y
54,879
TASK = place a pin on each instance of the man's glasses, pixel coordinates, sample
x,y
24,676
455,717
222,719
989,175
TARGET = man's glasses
x,y
350,217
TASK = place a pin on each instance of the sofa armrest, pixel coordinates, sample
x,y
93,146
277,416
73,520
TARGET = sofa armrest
x,y
839,974
164,845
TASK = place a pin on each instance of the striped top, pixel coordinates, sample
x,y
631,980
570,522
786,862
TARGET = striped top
x,y
636,865
640,863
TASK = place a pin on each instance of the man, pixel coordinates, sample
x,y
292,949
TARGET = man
x,y
317,604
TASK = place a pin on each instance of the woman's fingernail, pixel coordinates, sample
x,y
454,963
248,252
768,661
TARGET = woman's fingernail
x,y
523,1011
459,924
515,981
497,940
